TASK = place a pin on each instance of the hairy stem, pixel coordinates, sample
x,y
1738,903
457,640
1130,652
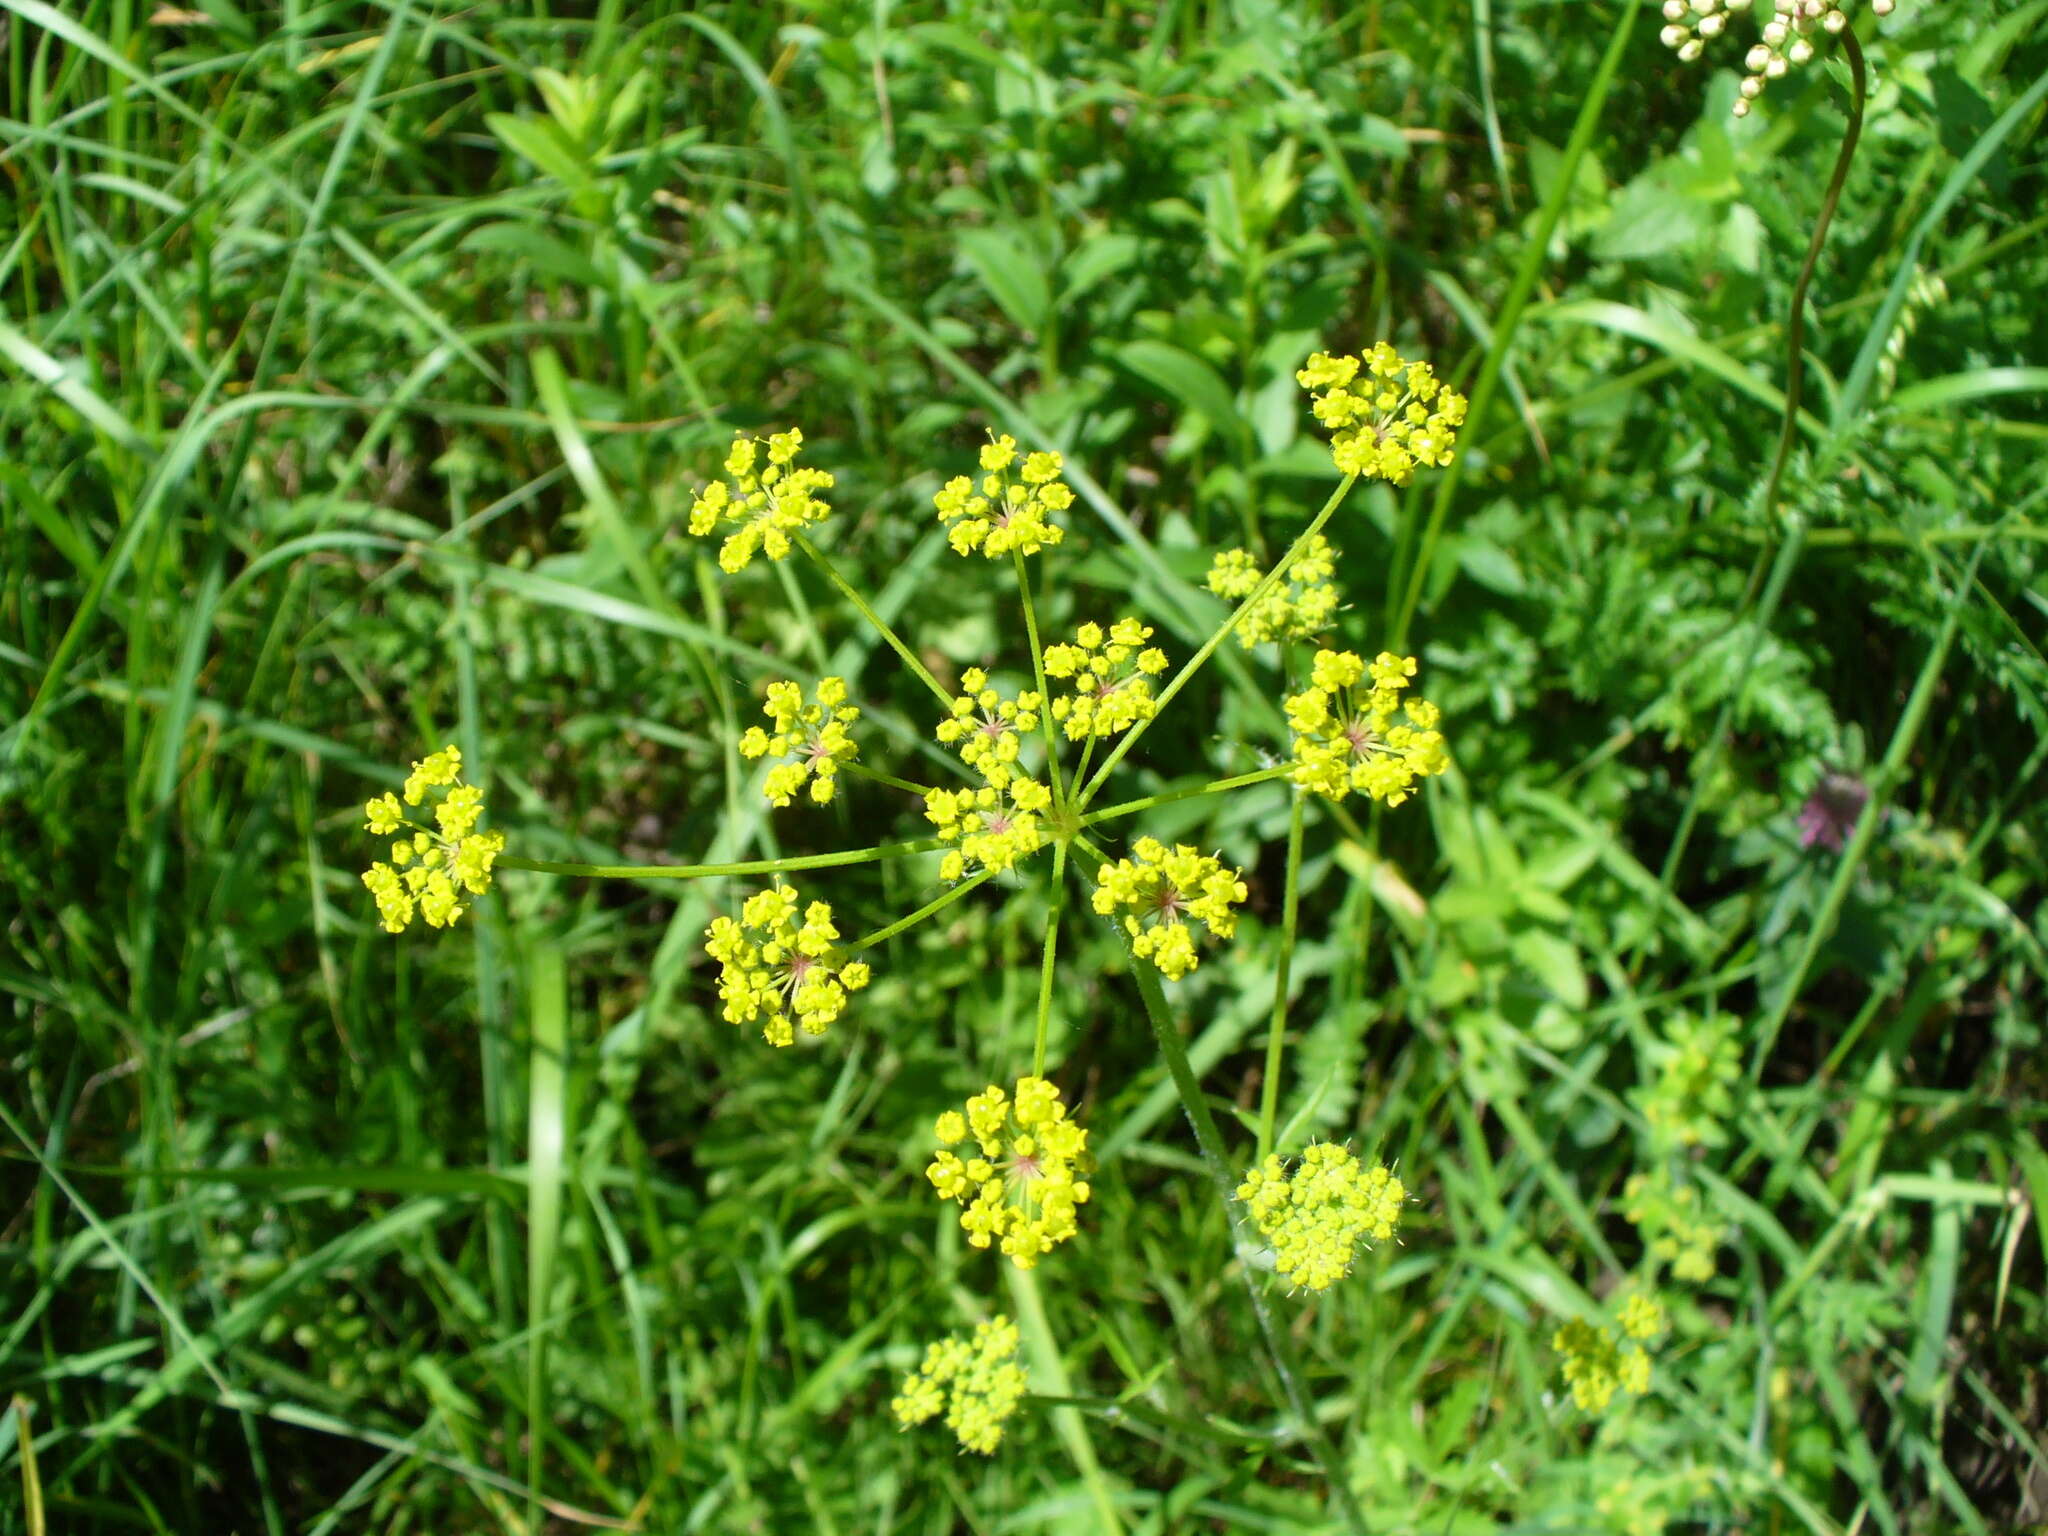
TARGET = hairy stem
x,y
1045,969
1052,752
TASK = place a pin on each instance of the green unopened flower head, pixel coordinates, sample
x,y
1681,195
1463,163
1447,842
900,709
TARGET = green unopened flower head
x,y
816,738
1346,737
1318,1212
1386,415
763,504
1698,1062
977,1382
1000,513
1597,1364
1785,36
431,868
1298,608
988,728
1108,676
1672,1224
993,828
1159,891
785,971
1020,1181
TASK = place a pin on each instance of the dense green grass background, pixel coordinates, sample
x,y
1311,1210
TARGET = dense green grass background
x,y
351,404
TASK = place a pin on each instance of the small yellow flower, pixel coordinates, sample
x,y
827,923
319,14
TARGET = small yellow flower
x,y
1298,608
1158,891
1316,1214
1018,1184
995,828
1109,678
988,728
1597,1365
780,970
977,1382
1345,737
998,514
1386,415
816,738
431,868
1642,1316
762,503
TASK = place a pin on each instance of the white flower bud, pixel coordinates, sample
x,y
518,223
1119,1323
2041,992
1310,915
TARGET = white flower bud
x,y
1691,51
1713,26
1757,57
1800,51
1741,107
1752,87
1674,10
1775,32
1673,37
1775,70
1834,21
1881,7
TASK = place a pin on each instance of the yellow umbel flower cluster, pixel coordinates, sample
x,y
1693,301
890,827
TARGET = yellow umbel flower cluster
x,y
1345,737
988,728
1317,1214
1109,676
816,737
430,868
1019,1183
978,1383
1396,418
995,828
763,503
785,973
1158,891
1002,514
1784,41
1597,1364
1298,608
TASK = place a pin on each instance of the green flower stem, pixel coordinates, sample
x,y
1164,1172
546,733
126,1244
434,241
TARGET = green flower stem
x,y
1276,1032
923,912
867,612
1882,783
1052,751
1052,944
1278,1345
708,871
890,779
1501,343
1194,663
1214,787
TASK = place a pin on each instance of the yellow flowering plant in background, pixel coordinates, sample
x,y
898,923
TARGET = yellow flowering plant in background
x,y
1031,765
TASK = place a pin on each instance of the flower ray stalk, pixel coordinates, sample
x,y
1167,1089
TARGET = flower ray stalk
x,y
1052,752
938,904
1195,662
1214,787
1045,970
866,610
871,855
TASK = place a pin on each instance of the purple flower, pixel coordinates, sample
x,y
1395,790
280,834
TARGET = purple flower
x,y
1830,812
